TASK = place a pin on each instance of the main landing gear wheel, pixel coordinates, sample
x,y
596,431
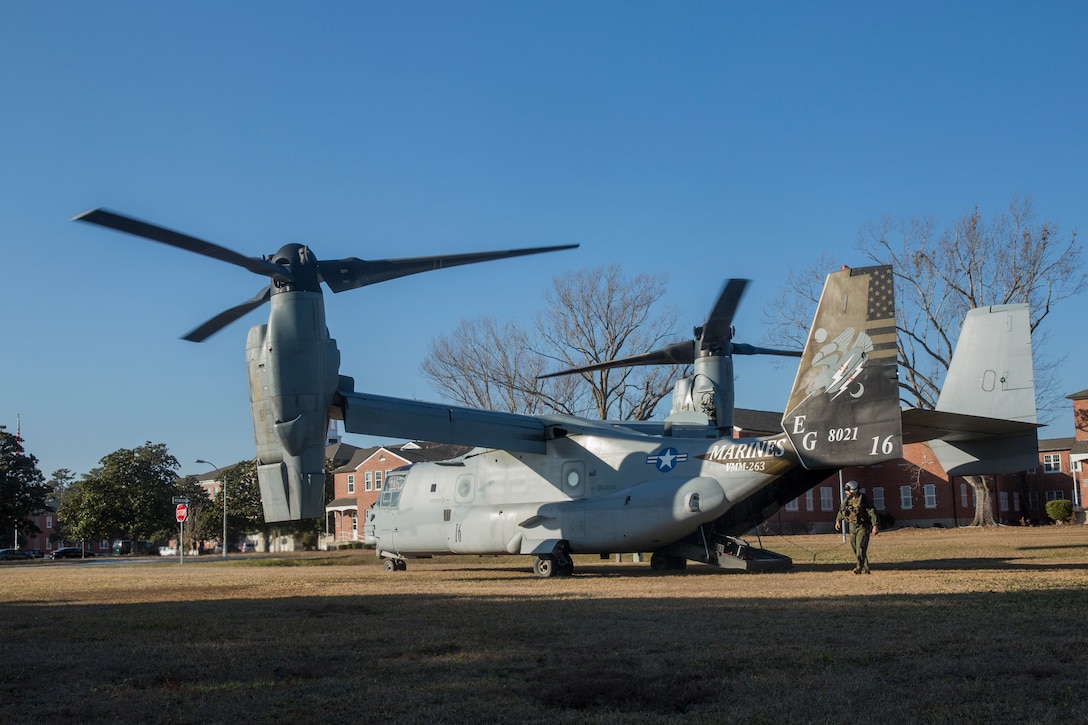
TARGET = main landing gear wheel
x,y
545,566
395,565
549,565
661,562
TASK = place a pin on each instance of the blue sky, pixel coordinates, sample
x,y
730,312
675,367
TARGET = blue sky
x,y
704,140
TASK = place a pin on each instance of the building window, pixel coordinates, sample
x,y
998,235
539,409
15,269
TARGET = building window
x,y
809,505
905,500
1055,495
1033,500
354,523
351,483
368,483
929,492
377,480
878,498
48,522
827,503
963,495
1003,500
1015,500
792,505
1052,463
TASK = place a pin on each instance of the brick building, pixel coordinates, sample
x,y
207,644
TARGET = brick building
x,y
358,482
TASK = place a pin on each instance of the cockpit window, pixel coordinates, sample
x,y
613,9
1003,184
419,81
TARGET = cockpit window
x,y
394,484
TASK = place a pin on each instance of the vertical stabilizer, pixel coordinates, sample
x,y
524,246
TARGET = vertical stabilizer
x,y
991,376
844,408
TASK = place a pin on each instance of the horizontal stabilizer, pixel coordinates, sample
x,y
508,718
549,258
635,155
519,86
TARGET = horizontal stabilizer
x,y
926,425
397,418
989,456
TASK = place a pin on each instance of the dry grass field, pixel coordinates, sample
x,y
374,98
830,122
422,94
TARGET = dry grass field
x,y
953,626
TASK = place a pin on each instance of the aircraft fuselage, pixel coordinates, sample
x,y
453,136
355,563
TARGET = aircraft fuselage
x,y
587,494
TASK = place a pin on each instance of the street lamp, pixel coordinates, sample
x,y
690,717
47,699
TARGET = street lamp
x,y
222,490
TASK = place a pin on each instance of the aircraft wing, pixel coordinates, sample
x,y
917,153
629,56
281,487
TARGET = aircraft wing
x,y
415,420
926,425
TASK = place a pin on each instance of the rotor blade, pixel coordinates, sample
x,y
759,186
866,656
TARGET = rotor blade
x,y
226,317
351,273
740,348
155,233
679,353
718,327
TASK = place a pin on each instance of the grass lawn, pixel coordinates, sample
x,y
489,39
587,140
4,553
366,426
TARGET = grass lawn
x,y
953,626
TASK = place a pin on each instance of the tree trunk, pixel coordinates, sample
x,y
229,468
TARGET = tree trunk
x,y
984,509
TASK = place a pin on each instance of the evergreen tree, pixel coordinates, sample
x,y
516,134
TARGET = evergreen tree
x,y
23,491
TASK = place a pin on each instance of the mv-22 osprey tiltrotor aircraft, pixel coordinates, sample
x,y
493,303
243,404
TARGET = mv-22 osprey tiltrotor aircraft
x,y
553,486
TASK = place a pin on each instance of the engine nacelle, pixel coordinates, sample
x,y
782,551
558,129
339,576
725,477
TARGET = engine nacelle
x,y
293,369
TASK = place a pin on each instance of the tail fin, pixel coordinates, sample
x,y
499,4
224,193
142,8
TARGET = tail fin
x,y
991,374
985,418
844,408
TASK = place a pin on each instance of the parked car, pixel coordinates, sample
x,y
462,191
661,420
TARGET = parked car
x,y
11,554
167,551
246,546
124,547
36,553
71,552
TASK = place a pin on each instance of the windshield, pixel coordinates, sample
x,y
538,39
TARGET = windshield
x,y
394,483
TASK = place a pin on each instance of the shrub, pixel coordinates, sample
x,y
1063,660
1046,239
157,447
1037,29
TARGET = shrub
x,y
1060,510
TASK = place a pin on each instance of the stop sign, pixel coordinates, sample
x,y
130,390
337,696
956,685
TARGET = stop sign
x,y
181,512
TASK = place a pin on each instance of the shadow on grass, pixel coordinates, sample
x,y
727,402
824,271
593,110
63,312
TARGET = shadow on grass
x,y
963,564
1081,547
406,658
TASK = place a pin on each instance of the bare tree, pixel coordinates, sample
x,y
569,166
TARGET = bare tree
x,y
491,365
940,275
590,316
973,263
787,319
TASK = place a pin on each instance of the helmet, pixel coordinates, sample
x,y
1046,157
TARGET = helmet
x,y
852,486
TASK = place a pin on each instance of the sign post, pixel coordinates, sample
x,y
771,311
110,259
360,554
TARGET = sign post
x,y
181,512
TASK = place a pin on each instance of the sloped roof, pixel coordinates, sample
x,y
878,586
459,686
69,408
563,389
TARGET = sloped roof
x,y
350,502
420,451
1056,444
1078,396
340,452
357,458
413,452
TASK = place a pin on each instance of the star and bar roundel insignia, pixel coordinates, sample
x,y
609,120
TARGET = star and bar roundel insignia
x,y
667,459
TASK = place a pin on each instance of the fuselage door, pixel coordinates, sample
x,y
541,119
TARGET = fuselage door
x,y
574,479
